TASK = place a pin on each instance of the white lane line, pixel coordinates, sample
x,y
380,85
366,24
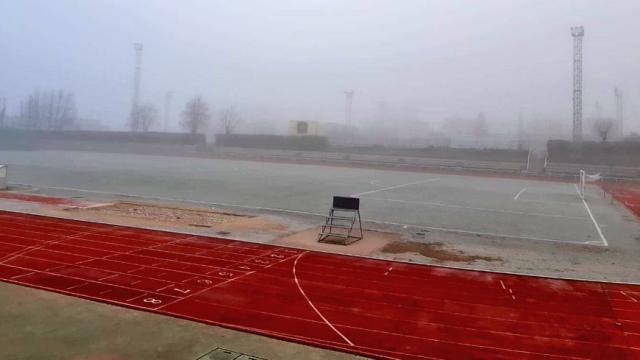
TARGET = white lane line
x,y
519,193
504,287
295,277
394,187
586,206
28,249
431,203
629,296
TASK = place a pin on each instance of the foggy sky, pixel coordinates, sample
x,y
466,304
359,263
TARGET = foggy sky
x,y
294,59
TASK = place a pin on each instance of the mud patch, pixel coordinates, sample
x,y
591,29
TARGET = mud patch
x,y
434,250
175,215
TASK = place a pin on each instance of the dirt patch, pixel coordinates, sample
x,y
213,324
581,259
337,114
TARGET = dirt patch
x,y
372,242
175,215
254,224
434,250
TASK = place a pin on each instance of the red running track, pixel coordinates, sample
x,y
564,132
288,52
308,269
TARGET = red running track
x,y
375,308
48,200
626,193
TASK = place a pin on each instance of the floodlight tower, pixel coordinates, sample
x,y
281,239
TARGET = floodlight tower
x,y
348,106
619,111
135,100
577,32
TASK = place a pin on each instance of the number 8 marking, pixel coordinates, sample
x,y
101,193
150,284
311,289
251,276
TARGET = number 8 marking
x,y
152,301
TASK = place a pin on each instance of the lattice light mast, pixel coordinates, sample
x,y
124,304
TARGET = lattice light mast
x,y
135,99
348,106
619,112
577,32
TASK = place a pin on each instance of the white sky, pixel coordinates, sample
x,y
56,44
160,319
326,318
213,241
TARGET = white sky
x,y
294,59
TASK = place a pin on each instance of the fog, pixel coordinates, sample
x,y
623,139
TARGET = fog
x,y
275,61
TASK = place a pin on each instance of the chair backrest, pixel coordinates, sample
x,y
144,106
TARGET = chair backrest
x,y
345,202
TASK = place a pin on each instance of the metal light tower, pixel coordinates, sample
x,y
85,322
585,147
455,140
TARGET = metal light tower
x,y
348,106
578,33
619,111
135,100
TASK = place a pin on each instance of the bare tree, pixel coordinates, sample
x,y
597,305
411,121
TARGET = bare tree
x,y
480,126
230,118
143,117
603,128
52,110
146,116
134,118
195,116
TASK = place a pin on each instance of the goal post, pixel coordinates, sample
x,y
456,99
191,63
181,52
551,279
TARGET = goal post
x,y
582,183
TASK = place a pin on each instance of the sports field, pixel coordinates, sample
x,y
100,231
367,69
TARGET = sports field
x,y
529,210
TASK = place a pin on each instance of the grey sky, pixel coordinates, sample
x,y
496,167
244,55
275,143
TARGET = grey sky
x,y
293,59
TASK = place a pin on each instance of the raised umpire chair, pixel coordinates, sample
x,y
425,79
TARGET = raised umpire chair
x,y
343,224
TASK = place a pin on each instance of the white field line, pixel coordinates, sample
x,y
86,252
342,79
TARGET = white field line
x,y
519,193
259,208
586,206
394,187
494,235
295,277
171,199
429,203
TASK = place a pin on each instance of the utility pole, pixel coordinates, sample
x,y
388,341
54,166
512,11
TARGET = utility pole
x,y
381,111
577,32
520,131
168,96
135,100
598,108
619,111
3,111
348,106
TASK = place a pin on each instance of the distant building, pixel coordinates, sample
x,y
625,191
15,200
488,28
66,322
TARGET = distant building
x,y
304,128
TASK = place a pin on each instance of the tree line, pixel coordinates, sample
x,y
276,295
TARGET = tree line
x,y
195,118
56,110
44,110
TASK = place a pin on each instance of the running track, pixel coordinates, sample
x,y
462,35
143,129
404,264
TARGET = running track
x,y
370,307
626,193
